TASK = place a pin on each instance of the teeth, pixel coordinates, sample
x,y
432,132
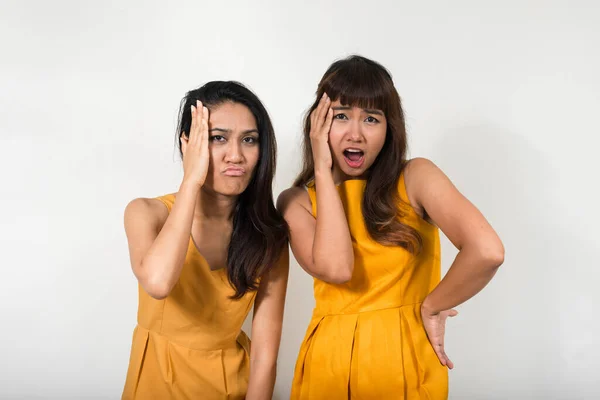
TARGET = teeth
x,y
353,151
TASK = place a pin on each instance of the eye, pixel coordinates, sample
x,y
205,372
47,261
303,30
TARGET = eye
x,y
250,140
217,138
340,116
372,120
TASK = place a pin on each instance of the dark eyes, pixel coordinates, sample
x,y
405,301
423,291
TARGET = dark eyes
x,y
217,138
222,139
369,119
250,140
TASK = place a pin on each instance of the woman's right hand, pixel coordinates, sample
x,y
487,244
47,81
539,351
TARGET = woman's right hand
x,y
195,147
320,125
435,327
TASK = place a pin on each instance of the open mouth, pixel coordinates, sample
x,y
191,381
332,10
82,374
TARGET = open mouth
x,y
354,157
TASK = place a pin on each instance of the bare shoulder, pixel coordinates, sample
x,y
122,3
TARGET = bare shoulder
x,y
421,176
146,211
294,196
419,166
421,171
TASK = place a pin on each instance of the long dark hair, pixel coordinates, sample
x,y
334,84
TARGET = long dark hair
x,y
358,81
259,231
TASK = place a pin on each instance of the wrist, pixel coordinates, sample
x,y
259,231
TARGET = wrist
x,y
427,309
323,172
188,186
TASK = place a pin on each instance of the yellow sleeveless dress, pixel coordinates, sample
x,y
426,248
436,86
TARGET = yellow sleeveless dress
x,y
190,345
366,338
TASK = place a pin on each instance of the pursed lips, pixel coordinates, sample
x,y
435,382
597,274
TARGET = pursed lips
x,y
234,171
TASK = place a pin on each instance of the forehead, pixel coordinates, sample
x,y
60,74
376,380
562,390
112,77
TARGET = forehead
x,y
232,115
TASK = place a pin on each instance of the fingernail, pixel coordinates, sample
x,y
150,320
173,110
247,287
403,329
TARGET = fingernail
x,y
198,103
324,95
192,107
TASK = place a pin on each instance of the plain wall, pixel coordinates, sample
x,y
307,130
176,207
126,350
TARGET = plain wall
x,y
503,96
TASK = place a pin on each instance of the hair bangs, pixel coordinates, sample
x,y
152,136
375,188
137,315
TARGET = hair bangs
x,y
358,84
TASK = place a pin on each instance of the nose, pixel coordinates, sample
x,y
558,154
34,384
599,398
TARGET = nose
x,y
355,132
234,152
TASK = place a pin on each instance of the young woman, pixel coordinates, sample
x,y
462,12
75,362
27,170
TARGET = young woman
x,y
204,255
364,223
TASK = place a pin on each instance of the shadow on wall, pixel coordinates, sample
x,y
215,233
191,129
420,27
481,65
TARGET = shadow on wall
x,y
528,334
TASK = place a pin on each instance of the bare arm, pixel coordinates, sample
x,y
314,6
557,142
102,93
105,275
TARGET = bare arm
x,y
266,330
158,242
312,240
480,250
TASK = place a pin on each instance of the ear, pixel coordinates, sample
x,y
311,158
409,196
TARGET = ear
x,y
184,142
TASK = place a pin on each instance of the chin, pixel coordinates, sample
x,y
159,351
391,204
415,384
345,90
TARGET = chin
x,y
229,189
352,172
232,189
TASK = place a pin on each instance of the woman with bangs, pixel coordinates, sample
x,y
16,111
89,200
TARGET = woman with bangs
x,y
364,222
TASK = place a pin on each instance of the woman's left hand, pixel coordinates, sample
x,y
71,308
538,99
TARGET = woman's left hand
x,y
435,326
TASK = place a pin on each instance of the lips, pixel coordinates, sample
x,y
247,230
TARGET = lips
x,y
354,157
234,171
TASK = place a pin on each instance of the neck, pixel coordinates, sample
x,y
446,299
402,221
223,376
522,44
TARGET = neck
x,y
215,206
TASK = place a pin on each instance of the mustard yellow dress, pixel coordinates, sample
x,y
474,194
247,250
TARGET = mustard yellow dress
x,y
366,338
190,345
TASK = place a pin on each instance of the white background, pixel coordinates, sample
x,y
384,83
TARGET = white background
x,y
503,96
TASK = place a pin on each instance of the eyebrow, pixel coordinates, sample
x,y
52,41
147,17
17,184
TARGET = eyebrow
x,y
367,110
247,131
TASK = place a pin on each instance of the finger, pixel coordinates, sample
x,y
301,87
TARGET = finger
x,y
439,351
328,121
315,111
193,124
324,110
452,313
198,126
204,128
205,113
194,127
448,363
318,113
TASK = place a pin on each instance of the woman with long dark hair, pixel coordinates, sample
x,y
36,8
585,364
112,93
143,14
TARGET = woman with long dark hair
x,y
204,255
364,223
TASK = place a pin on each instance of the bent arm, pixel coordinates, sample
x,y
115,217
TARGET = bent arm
x,y
158,240
481,251
322,245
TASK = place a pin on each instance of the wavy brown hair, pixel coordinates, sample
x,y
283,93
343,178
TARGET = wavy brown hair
x,y
260,233
361,82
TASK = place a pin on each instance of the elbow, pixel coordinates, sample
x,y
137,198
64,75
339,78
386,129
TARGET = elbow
x,y
338,275
493,256
157,291
156,287
339,278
